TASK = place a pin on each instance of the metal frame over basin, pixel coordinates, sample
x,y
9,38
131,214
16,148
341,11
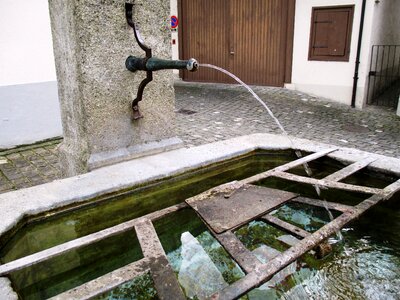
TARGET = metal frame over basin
x,y
209,205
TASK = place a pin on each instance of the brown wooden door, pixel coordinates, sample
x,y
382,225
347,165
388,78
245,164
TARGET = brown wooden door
x,y
252,39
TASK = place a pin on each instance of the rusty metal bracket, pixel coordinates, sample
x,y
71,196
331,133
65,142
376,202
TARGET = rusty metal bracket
x,y
149,74
149,63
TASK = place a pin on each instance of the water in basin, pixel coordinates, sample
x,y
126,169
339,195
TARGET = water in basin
x,y
348,273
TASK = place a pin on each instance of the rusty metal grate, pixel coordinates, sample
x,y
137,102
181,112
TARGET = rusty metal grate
x,y
230,197
384,76
229,209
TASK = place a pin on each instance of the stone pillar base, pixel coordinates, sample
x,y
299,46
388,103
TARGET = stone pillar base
x,y
102,159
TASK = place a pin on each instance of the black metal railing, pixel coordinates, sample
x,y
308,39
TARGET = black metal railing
x,y
384,76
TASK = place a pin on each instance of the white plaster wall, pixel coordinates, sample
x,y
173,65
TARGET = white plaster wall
x,y
386,23
333,80
29,108
174,34
26,51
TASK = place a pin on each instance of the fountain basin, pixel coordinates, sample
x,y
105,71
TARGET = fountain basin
x,y
45,200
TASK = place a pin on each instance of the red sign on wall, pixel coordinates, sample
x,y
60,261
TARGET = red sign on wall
x,y
174,22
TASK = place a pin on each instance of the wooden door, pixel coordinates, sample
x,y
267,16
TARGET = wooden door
x,y
252,39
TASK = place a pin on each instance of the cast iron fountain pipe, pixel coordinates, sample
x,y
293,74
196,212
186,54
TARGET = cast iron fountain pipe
x,y
149,63
134,64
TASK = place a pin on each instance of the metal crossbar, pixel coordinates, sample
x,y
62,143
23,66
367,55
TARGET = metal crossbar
x,y
324,204
107,282
288,166
262,274
327,183
350,169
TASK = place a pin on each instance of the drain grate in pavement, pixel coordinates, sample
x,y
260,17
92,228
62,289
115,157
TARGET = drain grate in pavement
x,y
355,128
186,111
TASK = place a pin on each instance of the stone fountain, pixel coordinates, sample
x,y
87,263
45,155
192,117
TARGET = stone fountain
x,y
91,40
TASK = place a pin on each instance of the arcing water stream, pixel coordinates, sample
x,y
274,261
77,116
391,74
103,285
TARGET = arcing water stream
x,y
297,152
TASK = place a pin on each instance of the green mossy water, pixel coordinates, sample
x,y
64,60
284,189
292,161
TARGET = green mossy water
x,y
307,217
140,288
43,234
49,278
258,233
65,272
351,265
72,269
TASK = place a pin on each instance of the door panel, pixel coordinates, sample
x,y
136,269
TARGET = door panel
x,y
248,38
205,37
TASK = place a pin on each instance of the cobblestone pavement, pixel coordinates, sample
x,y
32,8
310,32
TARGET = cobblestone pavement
x,y
213,112
28,166
223,111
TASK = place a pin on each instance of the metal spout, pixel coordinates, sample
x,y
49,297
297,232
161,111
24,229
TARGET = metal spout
x,y
134,64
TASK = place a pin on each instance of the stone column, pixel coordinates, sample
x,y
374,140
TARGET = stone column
x,y
91,42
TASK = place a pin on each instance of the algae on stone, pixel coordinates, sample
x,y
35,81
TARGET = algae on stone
x,y
140,288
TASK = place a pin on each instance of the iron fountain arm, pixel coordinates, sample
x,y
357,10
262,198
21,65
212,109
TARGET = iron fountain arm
x,y
149,63
154,64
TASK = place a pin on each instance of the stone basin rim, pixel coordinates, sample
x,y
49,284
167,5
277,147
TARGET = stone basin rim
x,y
16,205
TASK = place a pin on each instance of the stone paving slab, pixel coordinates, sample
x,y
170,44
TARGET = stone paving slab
x,y
212,112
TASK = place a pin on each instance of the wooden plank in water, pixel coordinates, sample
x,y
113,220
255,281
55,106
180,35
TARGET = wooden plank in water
x,y
329,184
286,226
223,210
350,169
163,276
245,259
324,204
107,282
288,166
266,271
41,256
